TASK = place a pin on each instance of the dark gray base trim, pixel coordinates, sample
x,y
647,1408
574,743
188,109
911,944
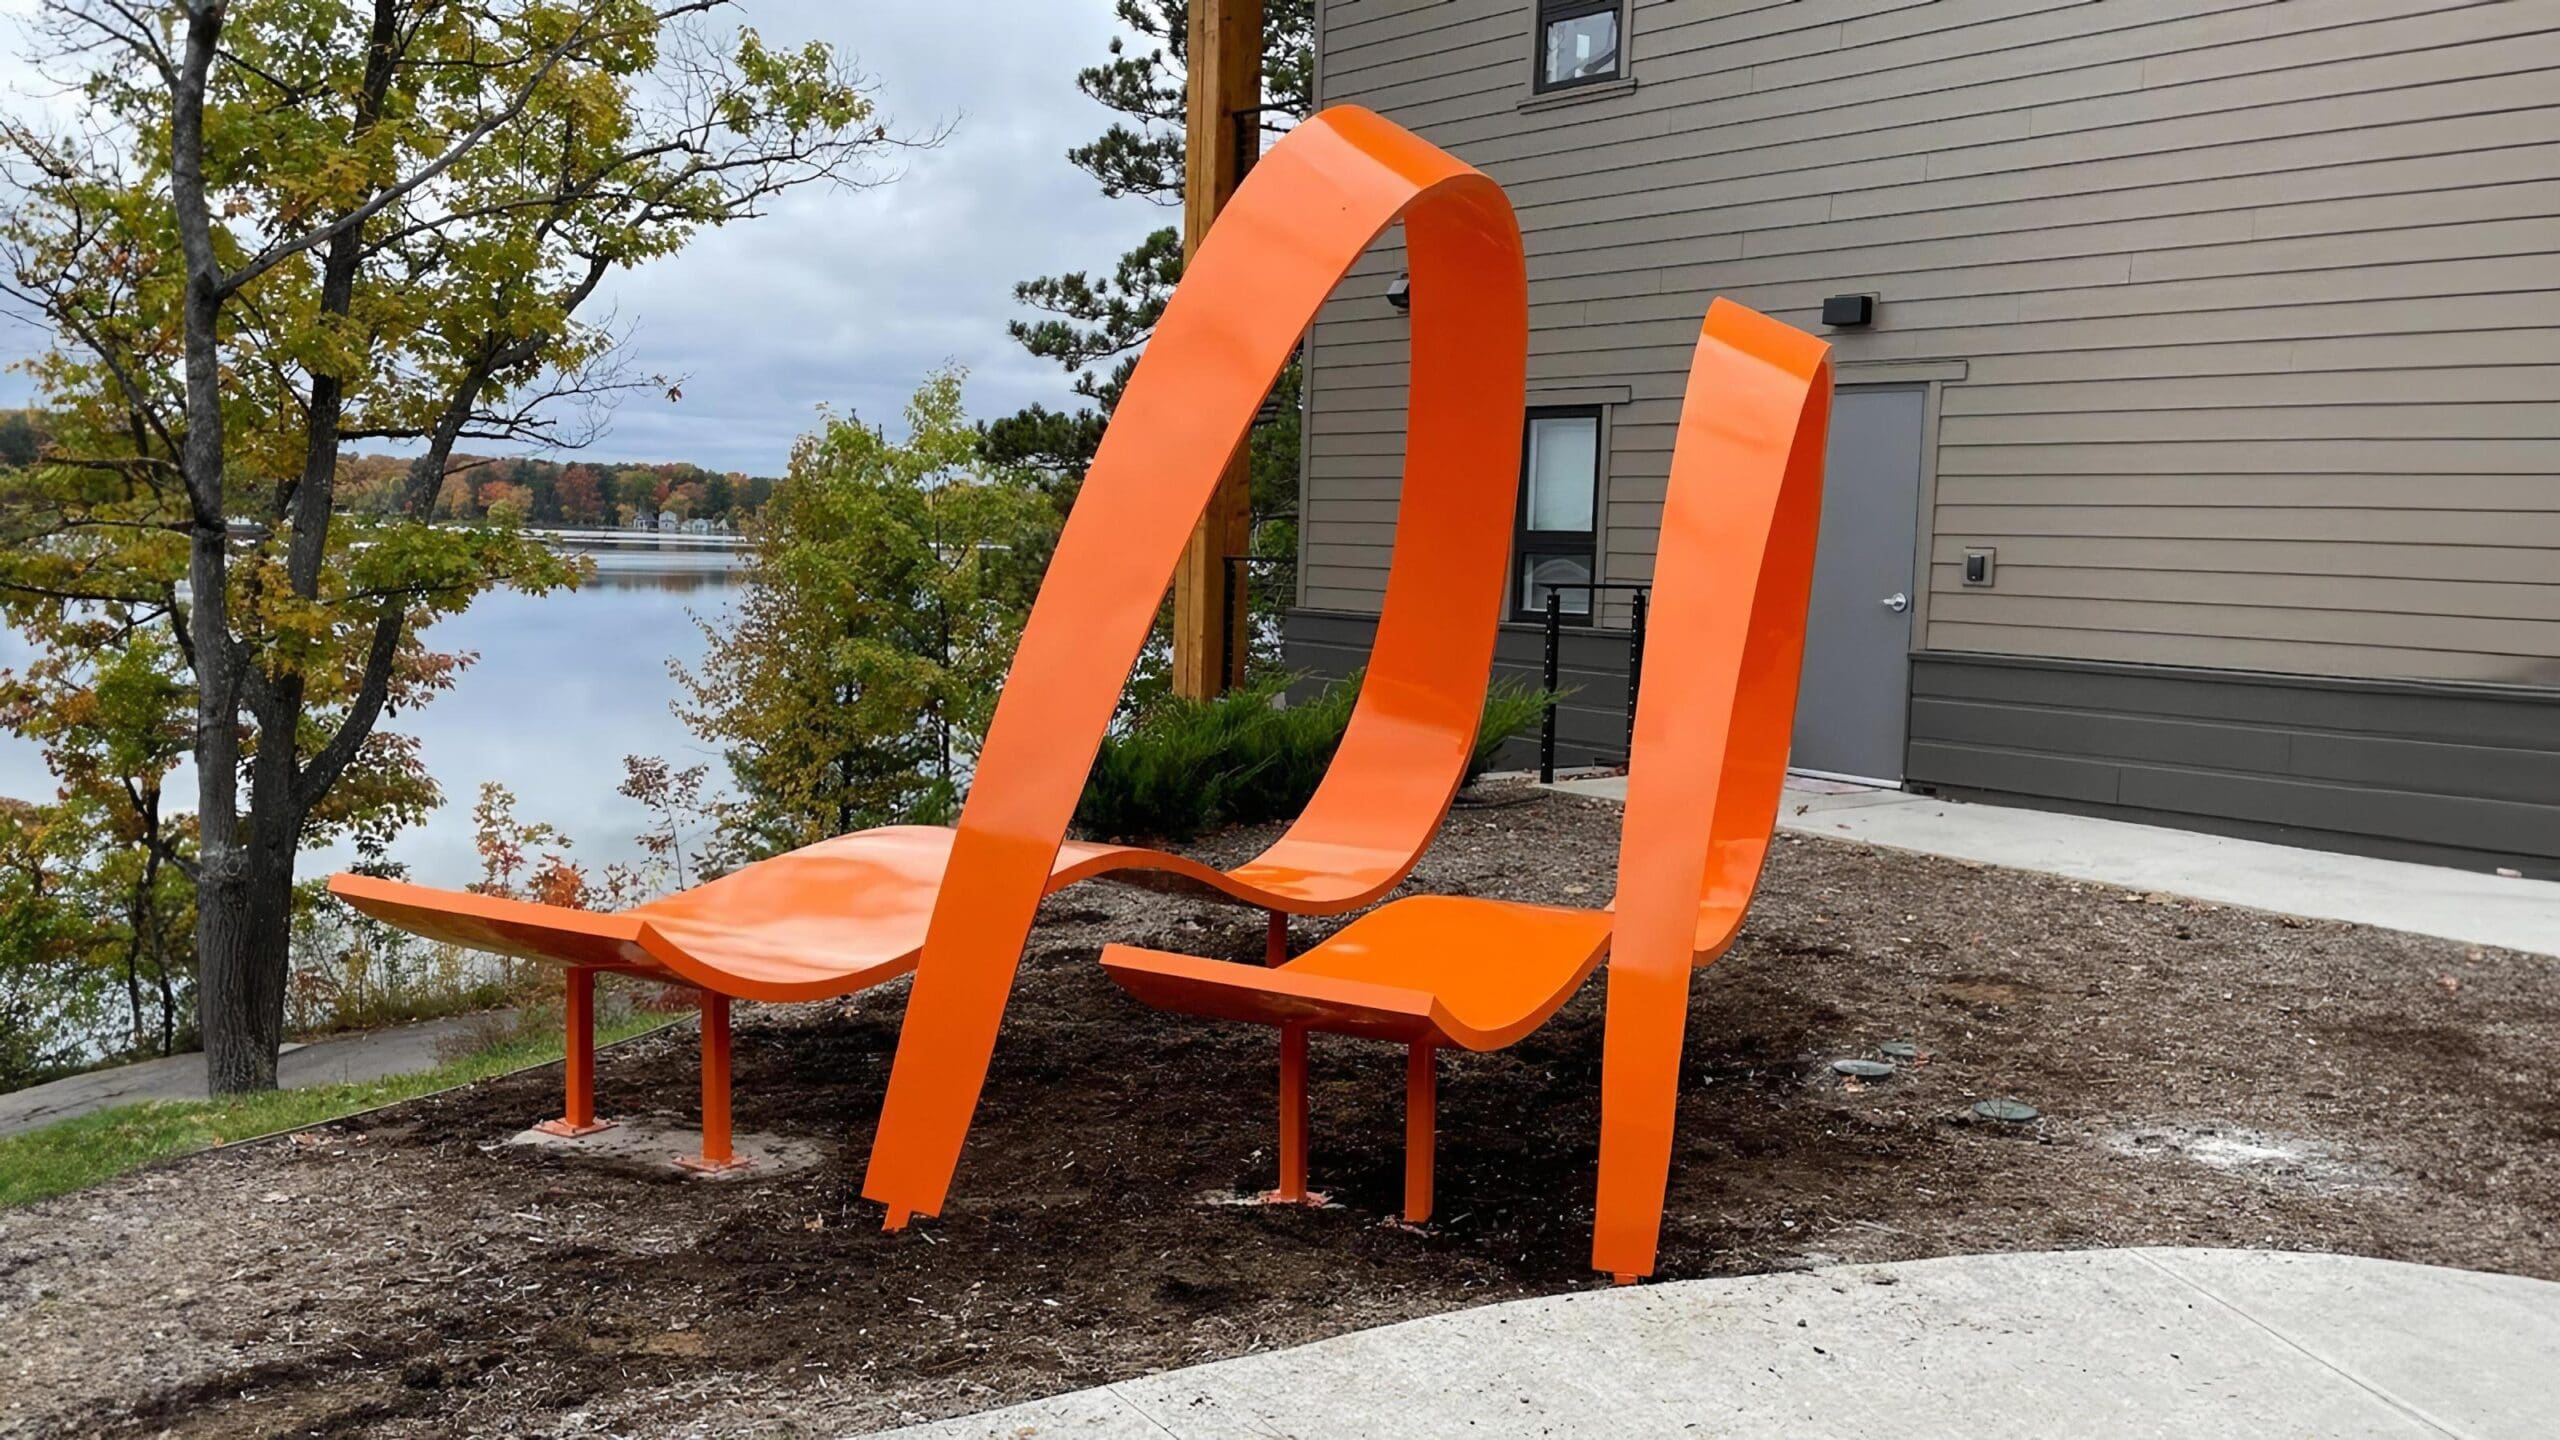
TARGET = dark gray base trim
x,y
2463,775
1591,725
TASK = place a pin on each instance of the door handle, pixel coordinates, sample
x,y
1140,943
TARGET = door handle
x,y
1897,602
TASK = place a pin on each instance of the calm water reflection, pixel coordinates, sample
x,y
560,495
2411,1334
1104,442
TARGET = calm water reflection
x,y
566,685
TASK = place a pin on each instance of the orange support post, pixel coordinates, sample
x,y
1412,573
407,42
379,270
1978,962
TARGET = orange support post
x,y
1275,946
716,1153
578,1062
1421,1120
1293,1117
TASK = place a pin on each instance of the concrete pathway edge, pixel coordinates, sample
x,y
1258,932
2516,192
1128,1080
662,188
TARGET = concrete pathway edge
x,y
2161,1342
2466,906
336,1059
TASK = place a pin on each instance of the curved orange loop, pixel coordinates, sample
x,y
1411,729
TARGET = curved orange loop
x,y
1732,579
1293,230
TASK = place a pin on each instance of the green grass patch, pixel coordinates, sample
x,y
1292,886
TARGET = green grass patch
x,y
86,1149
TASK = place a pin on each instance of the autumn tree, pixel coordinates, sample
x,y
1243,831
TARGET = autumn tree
x,y
51,989
875,617
280,226
101,699
581,498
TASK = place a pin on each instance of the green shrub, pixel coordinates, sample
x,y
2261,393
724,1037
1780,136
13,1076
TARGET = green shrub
x,y
1244,758
1511,708
1183,765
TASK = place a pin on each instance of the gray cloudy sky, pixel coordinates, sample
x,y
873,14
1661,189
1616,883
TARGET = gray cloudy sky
x,y
848,297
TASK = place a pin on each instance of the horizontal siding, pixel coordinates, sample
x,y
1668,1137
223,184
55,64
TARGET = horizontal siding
x,y
2257,298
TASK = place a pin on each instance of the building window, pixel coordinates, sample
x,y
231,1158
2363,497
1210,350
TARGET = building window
x,y
1578,43
1557,543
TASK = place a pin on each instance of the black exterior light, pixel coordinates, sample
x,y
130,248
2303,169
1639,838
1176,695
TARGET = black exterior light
x,y
1400,292
1849,312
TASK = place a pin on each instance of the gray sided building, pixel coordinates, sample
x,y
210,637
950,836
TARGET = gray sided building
x,y
2199,462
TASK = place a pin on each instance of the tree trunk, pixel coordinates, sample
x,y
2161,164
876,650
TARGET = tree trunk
x,y
133,985
240,954
239,1052
168,995
155,932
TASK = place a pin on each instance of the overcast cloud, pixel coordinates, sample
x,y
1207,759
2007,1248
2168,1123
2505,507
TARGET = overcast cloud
x,y
847,298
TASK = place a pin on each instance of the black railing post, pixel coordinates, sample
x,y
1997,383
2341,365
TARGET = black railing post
x,y
1547,716
1635,666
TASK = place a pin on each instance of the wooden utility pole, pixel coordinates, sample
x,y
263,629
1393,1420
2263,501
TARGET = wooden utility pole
x,y
1224,135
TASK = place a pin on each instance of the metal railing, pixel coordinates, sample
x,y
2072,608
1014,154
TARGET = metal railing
x,y
1643,594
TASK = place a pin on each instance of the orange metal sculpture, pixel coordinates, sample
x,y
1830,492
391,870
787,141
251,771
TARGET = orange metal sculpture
x,y
1295,227
860,909
1731,581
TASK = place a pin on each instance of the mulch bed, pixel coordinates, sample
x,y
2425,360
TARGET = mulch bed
x,y
2208,1076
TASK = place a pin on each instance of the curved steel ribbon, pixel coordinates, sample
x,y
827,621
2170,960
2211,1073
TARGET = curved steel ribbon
x,y
1293,230
1732,578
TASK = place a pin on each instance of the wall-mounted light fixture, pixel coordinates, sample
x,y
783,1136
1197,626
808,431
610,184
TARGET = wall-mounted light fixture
x,y
1400,292
1849,312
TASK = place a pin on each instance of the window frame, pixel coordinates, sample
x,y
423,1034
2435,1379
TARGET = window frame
x,y
1528,545
1548,13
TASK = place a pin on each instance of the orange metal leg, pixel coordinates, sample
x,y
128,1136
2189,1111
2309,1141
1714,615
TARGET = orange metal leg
x,y
716,1154
1647,1016
1275,949
1293,1116
1421,1107
578,1061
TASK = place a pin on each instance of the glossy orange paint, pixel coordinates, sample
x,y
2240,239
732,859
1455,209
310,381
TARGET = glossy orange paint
x,y
578,1061
1293,230
717,1155
1723,651
857,910
1431,969
847,913
1424,972
1722,659
1421,1122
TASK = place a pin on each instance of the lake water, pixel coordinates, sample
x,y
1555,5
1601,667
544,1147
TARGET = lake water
x,y
566,685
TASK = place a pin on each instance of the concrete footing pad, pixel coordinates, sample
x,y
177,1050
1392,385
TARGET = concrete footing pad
x,y
650,1145
2093,1343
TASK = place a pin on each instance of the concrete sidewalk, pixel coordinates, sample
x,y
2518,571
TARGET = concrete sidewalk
x,y
2463,905
368,1056
2086,1344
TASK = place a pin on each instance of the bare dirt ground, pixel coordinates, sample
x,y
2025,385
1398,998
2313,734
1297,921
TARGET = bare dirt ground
x,y
2208,1076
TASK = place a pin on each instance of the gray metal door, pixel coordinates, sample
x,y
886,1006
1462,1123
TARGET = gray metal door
x,y
1852,709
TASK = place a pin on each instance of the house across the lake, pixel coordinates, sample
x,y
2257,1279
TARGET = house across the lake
x,y
2196,456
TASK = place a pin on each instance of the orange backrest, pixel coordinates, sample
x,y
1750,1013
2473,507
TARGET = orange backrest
x,y
1294,228
1732,578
